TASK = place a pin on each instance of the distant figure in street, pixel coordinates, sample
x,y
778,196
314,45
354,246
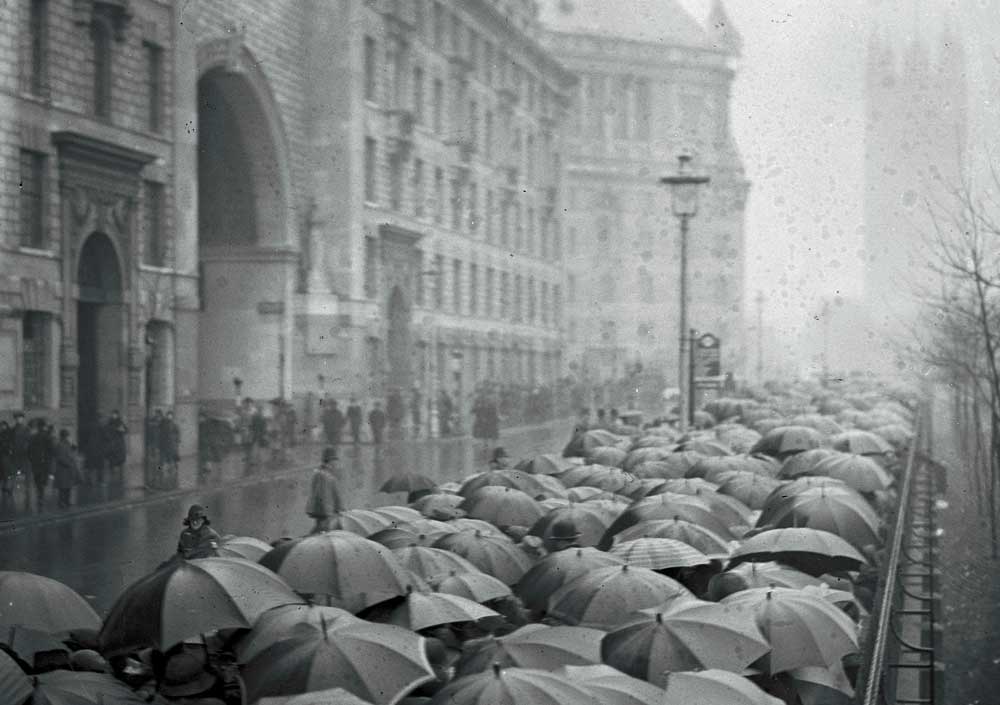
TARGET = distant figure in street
x,y
354,417
333,422
114,432
20,437
394,412
445,410
198,539
376,419
170,441
257,433
152,441
500,459
41,450
67,469
602,421
6,482
324,498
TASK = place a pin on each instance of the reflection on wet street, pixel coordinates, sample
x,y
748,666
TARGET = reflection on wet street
x,y
98,555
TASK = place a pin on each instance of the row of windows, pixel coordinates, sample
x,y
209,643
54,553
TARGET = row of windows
x,y
35,63
32,208
614,106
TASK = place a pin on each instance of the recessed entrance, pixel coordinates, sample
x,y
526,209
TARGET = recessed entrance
x,y
398,348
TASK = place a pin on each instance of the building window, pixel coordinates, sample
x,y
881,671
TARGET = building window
x,y
419,294
371,267
620,108
438,26
418,188
154,83
488,215
456,286
643,110
35,358
438,106
439,282
32,198
545,304
473,289
438,195
488,291
488,135
371,177
101,34
473,209
505,295
154,252
396,182
529,229
532,302
456,205
518,298
473,118
595,106
418,95
557,302
371,61
36,59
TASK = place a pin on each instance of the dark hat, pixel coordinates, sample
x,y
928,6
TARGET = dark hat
x,y
564,530
185,674
499,452
329,454
196,511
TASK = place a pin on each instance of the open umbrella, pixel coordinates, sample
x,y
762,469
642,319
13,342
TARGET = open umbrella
x,y
820,686
502,506
188,598
611,479
897,434
522,480
685,635
430,526
27,643
643,454
363,522
420,610
355,572
674,465
402,538
333,696
750,488
611,456
803,463
480,525
408,482
555,570
857,471
688,485
668,506
590,519
716,469
512,686
248,547
15,688
399,514
436,505
547,464
694,535
824,424
762,574
839,513
432,563
279,623
787,440
532,646
604,597
44,604
376,662
706,446
86,688
861,443
492,555
658,553
785,494
612,687
478,587
803,629
810,550
714,687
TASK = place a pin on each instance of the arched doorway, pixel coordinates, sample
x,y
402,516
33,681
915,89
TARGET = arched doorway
x,y
100,315
247,266
397,342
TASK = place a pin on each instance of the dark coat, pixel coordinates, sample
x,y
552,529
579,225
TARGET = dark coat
x,y
114,442
66,466
200,543
169,441
324,497
354,416
376,417
40,455
20,437
333,423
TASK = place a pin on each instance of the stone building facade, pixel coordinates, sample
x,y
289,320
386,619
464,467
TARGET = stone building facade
x,y
653,84
301,195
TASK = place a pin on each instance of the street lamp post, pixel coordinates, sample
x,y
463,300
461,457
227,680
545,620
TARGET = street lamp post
x,y
684,191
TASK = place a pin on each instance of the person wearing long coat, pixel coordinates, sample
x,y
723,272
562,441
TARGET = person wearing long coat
x,y
324,497
41,450
114,445
67,468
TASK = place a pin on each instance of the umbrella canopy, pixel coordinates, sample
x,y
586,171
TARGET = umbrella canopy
x,y
502,506
430,526
610,456
750,488
598,437
824,424
432,563
533,646
821,686
188,598
612,687
839,513
402,538
897,434
473,525
762,574
279,623
714,687
26,643
658,553
513,686
555,570
706,446
674,465
611,479
477,586
248,547
86,688
333,696
668,506
686,635
861,443
41,603
810,550
15,688
694,535
424,610
363,522
523,480
803,629
857,471
398,514
739,438
603,598
547,464
590,519
376,662
803,463
716,469
787,440
786,493
492,555
688,485
407,482
353,571
432,505
643,454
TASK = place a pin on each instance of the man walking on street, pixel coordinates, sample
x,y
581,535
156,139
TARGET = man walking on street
x,y
333,422
66,468
354,415
114,446
40,451
376,419
324,498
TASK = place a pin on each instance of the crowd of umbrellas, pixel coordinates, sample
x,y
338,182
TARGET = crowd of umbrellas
x,y
735,565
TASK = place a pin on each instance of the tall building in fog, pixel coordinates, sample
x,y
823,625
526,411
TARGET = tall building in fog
x,y
653,83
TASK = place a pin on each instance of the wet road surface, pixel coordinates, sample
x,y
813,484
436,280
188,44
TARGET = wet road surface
x,y
100,554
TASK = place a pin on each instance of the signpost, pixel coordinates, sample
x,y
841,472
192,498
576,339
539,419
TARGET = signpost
x,y
706,372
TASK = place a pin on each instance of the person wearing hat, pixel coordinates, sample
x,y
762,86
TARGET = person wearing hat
x,y
186,677
562,535
499,459
324,497
198,539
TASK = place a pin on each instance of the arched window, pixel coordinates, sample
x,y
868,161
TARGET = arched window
x,y
101,33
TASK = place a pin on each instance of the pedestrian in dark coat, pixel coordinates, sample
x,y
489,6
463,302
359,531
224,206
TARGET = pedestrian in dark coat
x,y
115,432
170,441
376,419
333,422
198,539
20,437
354,416
41,449
5,462
67,468
324,497
394,411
